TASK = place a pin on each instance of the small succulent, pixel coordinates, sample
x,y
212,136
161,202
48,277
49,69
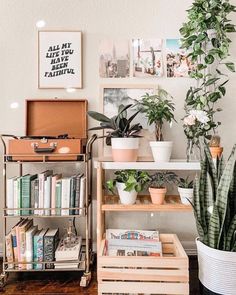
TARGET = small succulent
x,y
119,125
159,179
185,183
133,180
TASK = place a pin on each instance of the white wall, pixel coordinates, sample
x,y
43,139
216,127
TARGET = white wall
x,y
98,19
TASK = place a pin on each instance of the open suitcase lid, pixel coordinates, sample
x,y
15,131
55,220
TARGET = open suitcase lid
x,y
56,117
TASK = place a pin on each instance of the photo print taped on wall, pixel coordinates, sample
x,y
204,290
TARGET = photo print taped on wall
x,y
60,59
114,58
177,61
147,58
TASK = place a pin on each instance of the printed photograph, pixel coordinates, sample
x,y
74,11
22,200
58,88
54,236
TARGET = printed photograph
x,y
114,58
177,61
147,58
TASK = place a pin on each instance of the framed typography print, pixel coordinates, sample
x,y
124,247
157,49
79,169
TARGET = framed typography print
x,y
60,59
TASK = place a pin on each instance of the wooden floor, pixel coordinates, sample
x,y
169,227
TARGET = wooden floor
x,y
68,283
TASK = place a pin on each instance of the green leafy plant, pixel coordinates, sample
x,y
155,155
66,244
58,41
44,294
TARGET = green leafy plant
x,y
133,180
157,109
205,37
160,179
119,125
185,182
214,201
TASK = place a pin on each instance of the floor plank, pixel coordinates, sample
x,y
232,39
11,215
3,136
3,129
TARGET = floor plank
x,y
68,283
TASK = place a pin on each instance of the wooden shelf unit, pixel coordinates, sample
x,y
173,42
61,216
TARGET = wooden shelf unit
x,y
153,275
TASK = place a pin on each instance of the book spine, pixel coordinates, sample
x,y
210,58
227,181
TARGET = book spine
x,y
49,251
53,195
25,196
47,195
41,194
10,196
77,194
14,244
29,250
36,196
72,195
38,251
22,246
19,194
9,250
65,196
58,198
32,193
15,196
82,194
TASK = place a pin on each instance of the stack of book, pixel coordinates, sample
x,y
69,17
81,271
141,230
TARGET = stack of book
x,y
46,193
66,257
25,244
121,242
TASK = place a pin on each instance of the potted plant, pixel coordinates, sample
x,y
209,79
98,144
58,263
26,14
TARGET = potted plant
x,y
205,36
121,134
128,184
215,213
215,148
185,189
157,185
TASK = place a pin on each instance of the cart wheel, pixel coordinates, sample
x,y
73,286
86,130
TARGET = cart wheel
x,y
3,280
85,279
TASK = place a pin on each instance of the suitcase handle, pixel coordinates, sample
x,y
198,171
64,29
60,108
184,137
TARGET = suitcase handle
x,y
44,150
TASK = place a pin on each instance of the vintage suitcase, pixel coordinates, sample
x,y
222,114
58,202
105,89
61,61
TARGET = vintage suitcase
x,y
55,130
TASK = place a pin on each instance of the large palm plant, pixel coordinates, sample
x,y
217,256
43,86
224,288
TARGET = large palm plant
x,y
215,202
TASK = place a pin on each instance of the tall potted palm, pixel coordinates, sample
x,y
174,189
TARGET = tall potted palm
x,y
159,109
215,213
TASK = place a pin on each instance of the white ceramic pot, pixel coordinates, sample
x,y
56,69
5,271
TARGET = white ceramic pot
x,y
125,149
161,150
217,269
185,195
126,198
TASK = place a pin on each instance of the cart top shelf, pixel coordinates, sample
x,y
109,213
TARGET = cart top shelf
x,y
147,164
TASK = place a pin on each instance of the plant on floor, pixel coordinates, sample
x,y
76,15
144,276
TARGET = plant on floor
x,y
160,179
158,108
133,180
185,182
214,202
119,126
205,37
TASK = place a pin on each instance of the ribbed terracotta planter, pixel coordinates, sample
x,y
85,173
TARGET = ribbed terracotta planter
x,y
216,152
157,195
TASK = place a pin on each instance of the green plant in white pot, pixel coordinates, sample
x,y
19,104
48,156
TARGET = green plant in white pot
x,y
215,213
157,185
159,109
121,135
128,184
185,189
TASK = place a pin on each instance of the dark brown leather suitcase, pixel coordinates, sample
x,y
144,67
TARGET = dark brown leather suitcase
x,y
56,130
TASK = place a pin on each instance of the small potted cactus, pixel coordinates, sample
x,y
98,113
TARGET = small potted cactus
x,y
215,148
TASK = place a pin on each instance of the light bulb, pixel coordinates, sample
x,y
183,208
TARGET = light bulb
x,y
14,105
40,24
70,90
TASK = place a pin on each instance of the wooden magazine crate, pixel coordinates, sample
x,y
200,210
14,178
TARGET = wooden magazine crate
x,y
168,274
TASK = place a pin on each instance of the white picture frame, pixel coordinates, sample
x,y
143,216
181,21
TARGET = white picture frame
x,y
60,59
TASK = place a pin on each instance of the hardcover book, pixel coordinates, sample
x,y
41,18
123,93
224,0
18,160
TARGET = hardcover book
x,y
42,176
65,195
38,248
22,242
15,196
55,177
35,194
82,193
19,194
9,250
77,193
47,195
14,231
58,197
128,234
10,195
26,193
64,253
29,245
51,240
72,194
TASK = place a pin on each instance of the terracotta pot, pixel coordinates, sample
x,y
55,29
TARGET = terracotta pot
x,y
125,149
216,151
157,195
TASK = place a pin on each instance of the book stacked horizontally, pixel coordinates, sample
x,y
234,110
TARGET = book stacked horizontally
x,y
66,256
121,242
46,193
25,243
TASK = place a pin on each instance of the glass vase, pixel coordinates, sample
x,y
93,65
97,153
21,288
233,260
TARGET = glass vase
x,y
193,151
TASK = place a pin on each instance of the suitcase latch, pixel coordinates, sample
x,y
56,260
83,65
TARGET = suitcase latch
x,y
44,150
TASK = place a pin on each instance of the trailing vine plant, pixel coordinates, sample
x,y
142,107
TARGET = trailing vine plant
x,y
205,37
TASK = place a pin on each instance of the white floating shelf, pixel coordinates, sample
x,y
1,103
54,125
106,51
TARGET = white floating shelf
x,y
147,164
